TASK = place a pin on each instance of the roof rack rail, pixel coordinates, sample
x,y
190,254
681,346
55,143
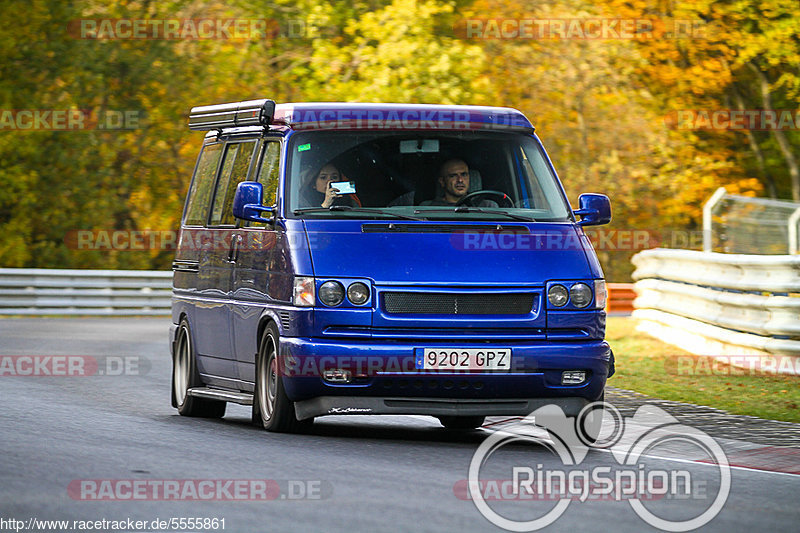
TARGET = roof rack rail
x,y
232,115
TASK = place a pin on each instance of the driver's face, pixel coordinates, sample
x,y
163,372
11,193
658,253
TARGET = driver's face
x,y
454,180
327,174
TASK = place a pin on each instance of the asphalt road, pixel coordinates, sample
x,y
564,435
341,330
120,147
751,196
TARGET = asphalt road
x,y
62,435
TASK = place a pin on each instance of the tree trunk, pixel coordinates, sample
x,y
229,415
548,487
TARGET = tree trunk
x,y
763,173
780,136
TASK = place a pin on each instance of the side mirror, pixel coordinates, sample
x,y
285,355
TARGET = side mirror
x,y
595,209
247,202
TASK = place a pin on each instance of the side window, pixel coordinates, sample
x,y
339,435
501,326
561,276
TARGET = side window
x,y
202,185
234,170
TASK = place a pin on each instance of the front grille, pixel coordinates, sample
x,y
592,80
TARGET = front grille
x,y
427,303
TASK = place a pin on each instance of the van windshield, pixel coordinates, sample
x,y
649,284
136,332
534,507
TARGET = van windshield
x,y
421,175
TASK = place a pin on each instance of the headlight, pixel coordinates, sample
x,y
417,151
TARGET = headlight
x,y
331,293
303,292
358,293
580,294
600,293
558,295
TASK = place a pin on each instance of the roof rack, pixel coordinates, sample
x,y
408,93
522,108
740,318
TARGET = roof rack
x,y
232,115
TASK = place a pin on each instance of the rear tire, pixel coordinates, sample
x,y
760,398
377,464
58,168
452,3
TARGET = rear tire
x,y
272,409
185,376
462,422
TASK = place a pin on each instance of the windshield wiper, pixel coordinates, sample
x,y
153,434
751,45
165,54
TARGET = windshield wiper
x,y
467,209
350,208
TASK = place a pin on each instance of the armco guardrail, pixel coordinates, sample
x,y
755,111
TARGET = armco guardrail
x,y
720,304
37,291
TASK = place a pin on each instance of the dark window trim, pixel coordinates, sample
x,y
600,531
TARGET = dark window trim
x,y
268,137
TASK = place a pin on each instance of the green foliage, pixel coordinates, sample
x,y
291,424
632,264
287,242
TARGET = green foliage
x,y
395,54
602,106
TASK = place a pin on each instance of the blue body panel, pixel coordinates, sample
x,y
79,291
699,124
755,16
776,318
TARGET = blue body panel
x,y
551,251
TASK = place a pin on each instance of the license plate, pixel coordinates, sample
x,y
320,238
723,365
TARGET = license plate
x,y
464,359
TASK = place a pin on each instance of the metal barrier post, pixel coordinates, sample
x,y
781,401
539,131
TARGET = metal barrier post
x,y
718,195
794,222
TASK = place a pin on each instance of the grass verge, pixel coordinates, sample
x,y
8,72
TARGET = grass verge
x,y
652,367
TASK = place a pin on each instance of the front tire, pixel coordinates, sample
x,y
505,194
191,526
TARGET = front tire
x,y
272,409
185,376
589,422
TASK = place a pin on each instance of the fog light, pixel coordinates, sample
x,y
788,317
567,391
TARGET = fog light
x,y
573,377
337,375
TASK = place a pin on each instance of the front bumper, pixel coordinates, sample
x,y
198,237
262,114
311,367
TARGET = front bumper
x,y
387,379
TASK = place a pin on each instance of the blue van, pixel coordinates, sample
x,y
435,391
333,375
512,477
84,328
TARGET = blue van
x,y
351,258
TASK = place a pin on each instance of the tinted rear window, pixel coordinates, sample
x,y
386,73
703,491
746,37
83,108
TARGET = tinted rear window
x,y
203,183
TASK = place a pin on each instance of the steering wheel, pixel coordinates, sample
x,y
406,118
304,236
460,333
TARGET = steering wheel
x,y
502,198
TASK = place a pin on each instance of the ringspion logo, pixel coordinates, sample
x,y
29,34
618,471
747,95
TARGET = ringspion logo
x,y
631,479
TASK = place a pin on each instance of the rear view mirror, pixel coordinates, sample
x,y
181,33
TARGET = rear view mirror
x,y
419,146
247,202
595,209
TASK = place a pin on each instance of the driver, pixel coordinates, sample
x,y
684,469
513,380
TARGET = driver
x,y
454,184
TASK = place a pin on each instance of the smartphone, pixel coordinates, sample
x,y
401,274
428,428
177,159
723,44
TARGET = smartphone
x,y
344,187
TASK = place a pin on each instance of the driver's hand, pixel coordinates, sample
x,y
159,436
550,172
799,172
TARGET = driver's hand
x,y
330,195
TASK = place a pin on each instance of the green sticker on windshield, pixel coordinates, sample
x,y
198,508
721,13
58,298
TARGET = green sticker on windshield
x,y
304,147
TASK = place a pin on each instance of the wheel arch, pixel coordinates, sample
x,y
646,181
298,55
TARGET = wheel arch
x,y
267,317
